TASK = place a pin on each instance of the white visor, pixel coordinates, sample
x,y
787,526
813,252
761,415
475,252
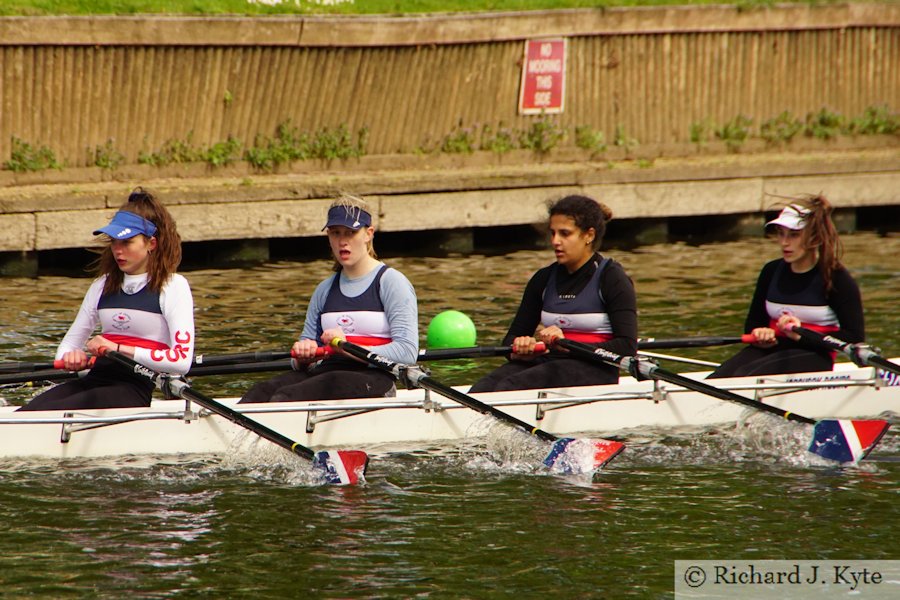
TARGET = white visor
x,y
791,217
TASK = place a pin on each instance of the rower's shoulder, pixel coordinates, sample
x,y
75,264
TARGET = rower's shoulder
x,y
177,280
843,280
612,267
770,267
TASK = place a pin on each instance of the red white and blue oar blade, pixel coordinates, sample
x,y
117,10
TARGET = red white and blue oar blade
x,y
571,456
342,467
845,440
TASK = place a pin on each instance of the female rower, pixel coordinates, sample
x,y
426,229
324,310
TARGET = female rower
x,y
807,286
583,296
144,308
365,302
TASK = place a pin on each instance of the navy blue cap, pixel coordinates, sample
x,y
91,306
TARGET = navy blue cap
x,y
348,216
125,225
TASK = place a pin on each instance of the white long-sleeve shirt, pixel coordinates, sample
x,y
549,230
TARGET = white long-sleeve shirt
x,y
161,328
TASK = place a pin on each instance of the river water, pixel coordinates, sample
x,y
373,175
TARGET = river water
x,y
468,519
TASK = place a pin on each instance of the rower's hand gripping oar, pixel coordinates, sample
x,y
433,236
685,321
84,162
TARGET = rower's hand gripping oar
x,y
562,456
844,441
335,466
861,354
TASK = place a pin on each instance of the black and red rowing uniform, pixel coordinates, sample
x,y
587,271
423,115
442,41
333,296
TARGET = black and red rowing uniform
x,y
780,291
595,305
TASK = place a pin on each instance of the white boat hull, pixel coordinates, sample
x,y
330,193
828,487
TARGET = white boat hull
x,y
414,416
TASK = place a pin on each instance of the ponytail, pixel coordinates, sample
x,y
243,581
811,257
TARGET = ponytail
x,y
819,233
163,261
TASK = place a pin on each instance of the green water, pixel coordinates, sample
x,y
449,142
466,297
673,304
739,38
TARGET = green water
x,y
468,519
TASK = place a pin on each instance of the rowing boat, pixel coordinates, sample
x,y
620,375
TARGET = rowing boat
x,y
417,416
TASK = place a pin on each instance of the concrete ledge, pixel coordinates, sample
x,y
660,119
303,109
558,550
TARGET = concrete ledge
x,y
286,218
17,232
864,189
448,28
678,199
45,217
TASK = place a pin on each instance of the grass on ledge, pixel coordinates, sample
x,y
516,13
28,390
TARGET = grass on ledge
x,y
345,7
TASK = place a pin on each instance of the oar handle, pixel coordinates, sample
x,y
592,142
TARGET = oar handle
x,y
645,369
61,364
416,378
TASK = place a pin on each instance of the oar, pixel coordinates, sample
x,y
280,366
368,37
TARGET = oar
x,y
240,357
47,375
473,352
275,355
861,354
335,466
839,440
18,367
563,455
693,342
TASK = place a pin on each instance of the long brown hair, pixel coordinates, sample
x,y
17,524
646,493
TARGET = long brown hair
x,y
820,234
164,260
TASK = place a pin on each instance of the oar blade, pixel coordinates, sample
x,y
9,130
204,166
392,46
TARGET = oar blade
x,y
845,440
342,467
571,456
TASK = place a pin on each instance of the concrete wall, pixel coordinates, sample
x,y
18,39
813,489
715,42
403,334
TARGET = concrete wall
x,y
75,83
54,216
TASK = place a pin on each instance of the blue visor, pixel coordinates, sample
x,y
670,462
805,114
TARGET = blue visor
x,y
348,216
125,225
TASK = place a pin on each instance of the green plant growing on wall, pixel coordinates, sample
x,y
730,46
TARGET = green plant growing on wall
x,y
223,153
172,151
876,120
265,154
623,140
824,125
288,144
24,157
459,141
587,138
106,156
499,141
292,143
227,98
337,142
701,132
735,132
780,129
542,136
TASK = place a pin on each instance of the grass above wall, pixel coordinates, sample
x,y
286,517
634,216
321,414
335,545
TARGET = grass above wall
x,y
349,7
